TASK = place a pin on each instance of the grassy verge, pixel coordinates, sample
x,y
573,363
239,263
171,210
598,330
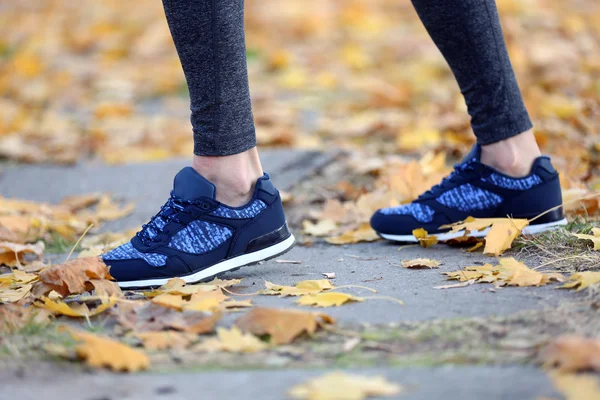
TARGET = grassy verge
x,y
507,340
559,250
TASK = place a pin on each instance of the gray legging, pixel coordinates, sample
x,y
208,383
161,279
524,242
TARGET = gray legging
x,y
209,36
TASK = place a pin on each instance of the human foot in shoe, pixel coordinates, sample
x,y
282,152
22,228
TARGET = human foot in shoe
x,y
477,190
195,237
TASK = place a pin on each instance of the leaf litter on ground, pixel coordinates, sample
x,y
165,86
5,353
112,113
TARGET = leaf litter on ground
x,y
102,352
508,272
340,385
421,263
572,354
282,326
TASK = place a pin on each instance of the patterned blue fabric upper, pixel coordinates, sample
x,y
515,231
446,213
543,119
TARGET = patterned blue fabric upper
x,y
247,212
469,198
513,183
420,212
127,251
158,223
200,237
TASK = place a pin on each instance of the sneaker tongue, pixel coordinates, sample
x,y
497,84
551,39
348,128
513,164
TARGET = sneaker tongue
x,y
190,185
474,154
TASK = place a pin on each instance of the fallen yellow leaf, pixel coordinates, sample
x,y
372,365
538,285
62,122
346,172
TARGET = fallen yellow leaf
x,y
594,238
424,239
503,231
102,352
420,263
576,386
174,286
166,340
14,295
106,210
205,301
508,272
74,309
502,234
299,289
363,233
236,304
321,228
23,277
13,254
232,340
582,280
331,299
338,385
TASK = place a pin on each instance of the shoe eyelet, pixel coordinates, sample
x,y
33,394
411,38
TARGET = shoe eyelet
x,y
205,206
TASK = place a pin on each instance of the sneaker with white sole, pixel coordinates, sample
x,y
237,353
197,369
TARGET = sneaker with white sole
x,y
194,237
477,190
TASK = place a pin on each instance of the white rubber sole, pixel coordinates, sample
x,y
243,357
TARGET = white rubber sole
x,y
223,266
528,230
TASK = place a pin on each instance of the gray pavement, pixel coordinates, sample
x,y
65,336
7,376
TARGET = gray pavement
x,y
376,265
379,269
464,383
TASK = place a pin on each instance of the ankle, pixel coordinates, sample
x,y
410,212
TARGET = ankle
x,y
233,176
513,156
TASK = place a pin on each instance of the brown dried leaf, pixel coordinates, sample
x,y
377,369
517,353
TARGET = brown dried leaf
x,y
283,326
72,277
572,354
146,316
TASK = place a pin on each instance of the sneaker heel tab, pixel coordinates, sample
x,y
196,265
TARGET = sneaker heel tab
x,y
264,184
544,164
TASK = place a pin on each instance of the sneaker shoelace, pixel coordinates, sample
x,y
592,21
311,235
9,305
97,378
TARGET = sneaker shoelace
x,y
170,211
461,171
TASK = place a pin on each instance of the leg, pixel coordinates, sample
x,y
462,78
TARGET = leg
x,y
504,175
468,34
223,213
209,37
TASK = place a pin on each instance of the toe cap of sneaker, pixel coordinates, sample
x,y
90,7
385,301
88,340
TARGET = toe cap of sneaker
x,y
136,269
393,224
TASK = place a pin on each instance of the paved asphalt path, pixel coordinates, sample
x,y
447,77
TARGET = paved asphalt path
x,y
376,265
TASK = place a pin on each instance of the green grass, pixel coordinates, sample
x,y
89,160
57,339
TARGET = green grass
x,y
59,245
559,249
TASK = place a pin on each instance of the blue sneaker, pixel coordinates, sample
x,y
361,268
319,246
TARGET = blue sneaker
x,y
195,238
477,190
